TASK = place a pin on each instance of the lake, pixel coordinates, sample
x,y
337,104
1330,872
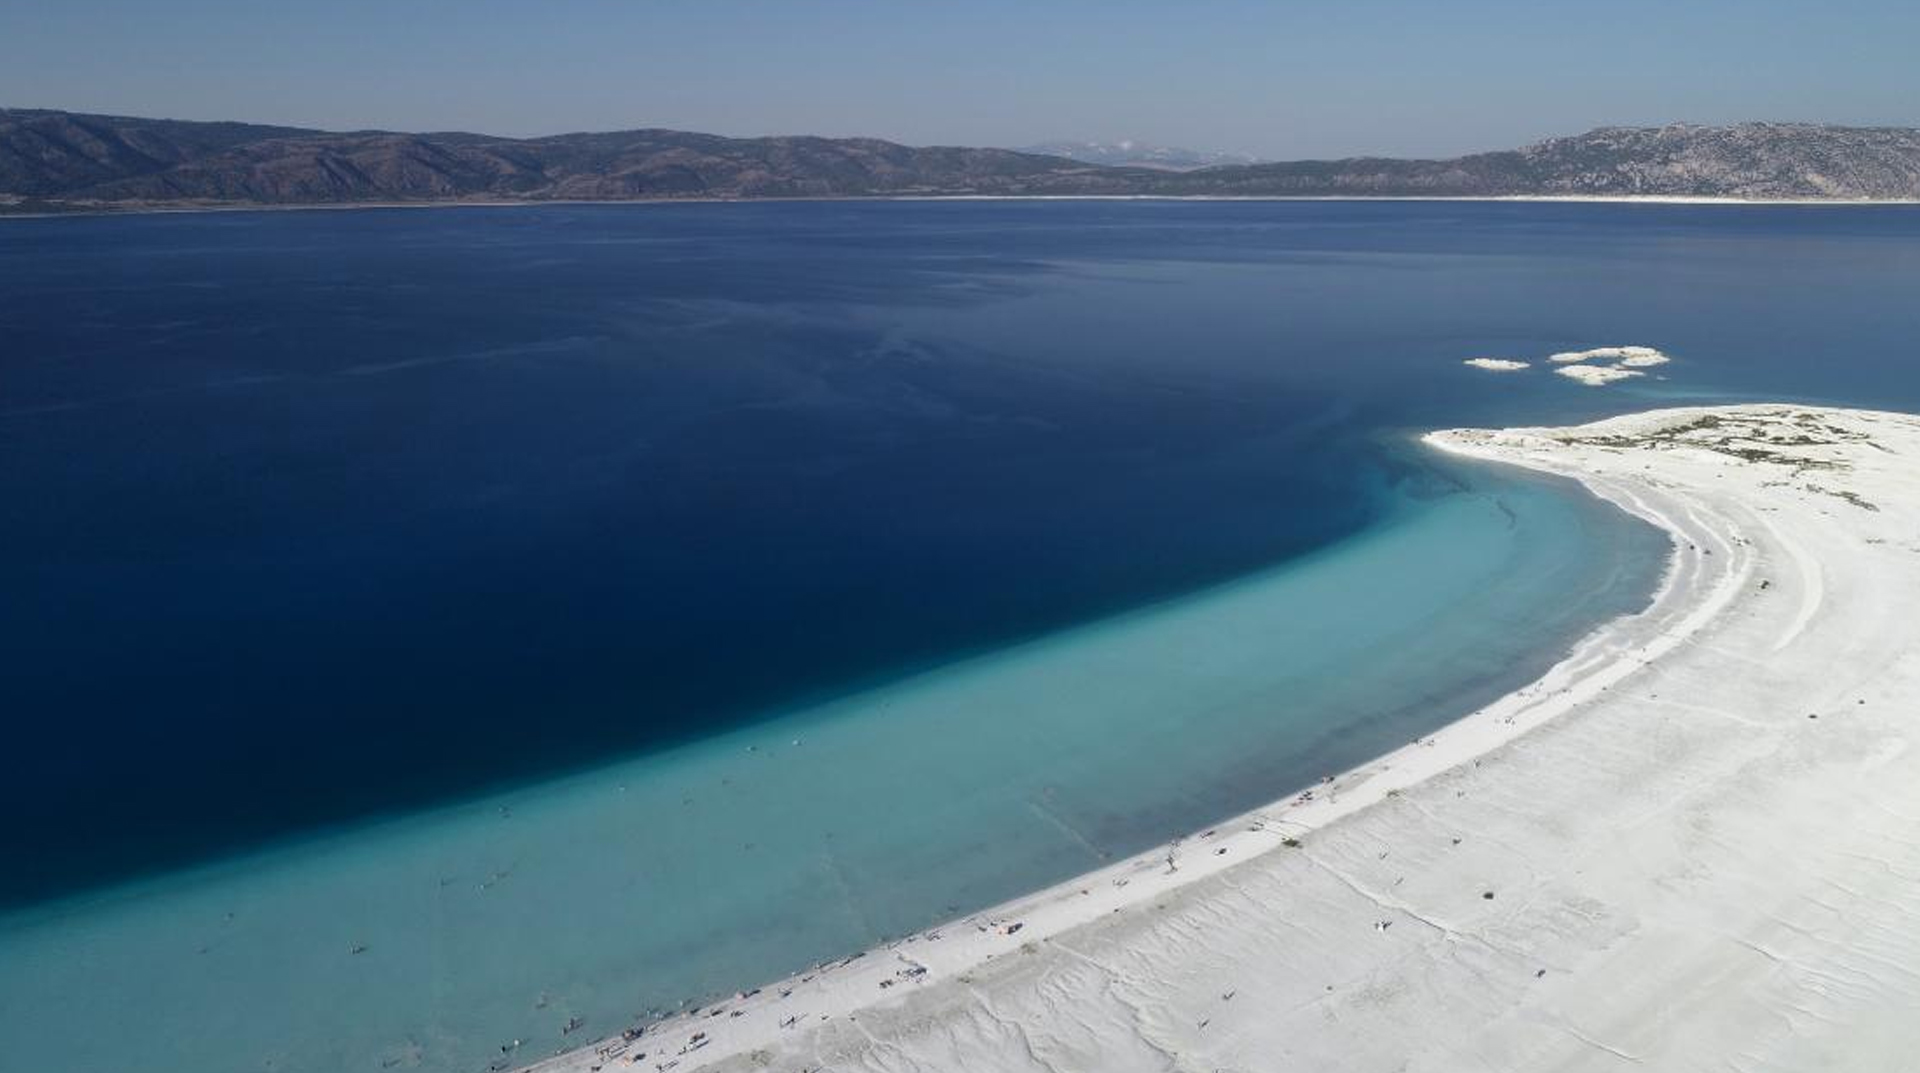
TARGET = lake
x,y
462,621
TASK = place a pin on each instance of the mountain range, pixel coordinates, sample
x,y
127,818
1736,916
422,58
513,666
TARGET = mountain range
x,y
63,161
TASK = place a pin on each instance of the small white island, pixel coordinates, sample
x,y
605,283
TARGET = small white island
x,y
1597,375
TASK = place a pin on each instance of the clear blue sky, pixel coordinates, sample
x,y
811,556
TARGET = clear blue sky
x,y
1278,78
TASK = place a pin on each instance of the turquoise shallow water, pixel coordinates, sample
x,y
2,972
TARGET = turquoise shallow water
x,y
334,540
741,857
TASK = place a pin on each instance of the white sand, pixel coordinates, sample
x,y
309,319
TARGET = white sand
x,y
1686,871
1624,362
1642,361
1625,355
1597,375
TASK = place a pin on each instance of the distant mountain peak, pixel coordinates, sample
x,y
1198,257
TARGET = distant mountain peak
x,y
1128,153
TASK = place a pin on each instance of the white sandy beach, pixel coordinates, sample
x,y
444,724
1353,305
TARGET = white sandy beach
x,y
1693,845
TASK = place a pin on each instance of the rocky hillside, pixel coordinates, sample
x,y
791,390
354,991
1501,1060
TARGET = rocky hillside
x,y
51,154
55,157
1757,160
1768,161
59,160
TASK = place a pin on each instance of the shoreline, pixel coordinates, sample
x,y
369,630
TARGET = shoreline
x,y
269,853
936,987
556,915
1569,199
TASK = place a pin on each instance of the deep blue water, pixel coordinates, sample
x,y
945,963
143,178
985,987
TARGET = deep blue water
x,y
313,515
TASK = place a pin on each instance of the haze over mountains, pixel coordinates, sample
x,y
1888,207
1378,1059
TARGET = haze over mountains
x,y
1138,154
54,161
